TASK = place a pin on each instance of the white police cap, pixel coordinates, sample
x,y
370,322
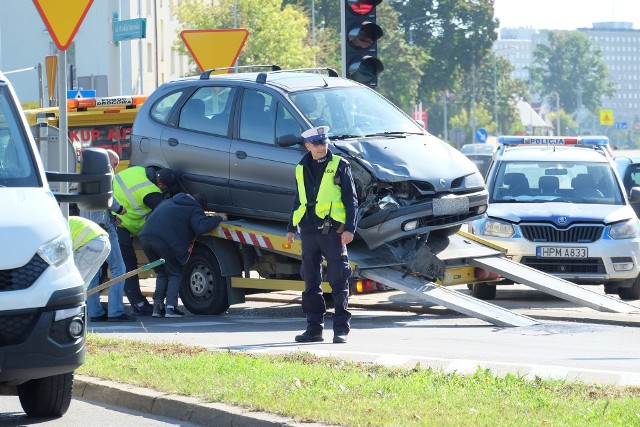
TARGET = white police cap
x,y
317,135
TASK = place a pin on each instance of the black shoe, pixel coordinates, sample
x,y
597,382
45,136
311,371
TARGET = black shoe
x,y
124,317
145,310
158,309
340,338
307,336
102,318
173,312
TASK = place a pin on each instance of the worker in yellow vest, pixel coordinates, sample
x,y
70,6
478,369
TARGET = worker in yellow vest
x,y
90,246
139,190
325,212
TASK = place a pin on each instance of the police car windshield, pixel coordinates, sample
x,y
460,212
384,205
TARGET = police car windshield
x,y
17,167
353,112
568,182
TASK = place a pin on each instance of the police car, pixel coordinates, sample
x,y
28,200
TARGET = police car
x,y
557,204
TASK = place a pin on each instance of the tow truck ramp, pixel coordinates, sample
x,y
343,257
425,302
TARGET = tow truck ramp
x,y
449,298
552,285
461,253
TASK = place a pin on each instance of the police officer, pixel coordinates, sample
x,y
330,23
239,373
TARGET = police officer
x,y
139,190
325,211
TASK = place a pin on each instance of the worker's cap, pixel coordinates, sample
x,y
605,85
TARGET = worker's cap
x,y
167,177
317,135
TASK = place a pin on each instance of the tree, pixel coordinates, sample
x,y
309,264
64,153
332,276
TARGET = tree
x,y
454,33
277,35
571,66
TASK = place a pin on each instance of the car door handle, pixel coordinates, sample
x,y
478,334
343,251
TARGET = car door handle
x,y
241,154
172,142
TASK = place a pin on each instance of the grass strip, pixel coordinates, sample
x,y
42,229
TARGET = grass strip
x,y
321,389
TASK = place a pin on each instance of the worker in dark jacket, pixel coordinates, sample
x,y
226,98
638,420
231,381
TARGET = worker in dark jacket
x,y
325,211
169,232
139,190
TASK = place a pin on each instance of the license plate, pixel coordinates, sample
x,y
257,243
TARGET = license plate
x,y
450,206
561,252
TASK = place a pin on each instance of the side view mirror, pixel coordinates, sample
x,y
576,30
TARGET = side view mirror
x,y
95,179
289,140
635,195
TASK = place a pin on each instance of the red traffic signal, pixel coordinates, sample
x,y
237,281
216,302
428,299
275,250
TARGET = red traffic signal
x,y
359,36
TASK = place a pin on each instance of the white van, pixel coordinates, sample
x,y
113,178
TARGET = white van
x,y
42,296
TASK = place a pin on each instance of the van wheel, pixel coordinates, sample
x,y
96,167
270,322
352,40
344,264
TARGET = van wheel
x,y
203,289
632,292
46,397
483,291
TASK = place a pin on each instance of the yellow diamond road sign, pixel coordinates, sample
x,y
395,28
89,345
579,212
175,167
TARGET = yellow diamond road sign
x,y
62,18
214,48
606,117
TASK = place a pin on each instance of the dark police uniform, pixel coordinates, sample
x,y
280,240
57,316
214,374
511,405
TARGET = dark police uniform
x,y
325,205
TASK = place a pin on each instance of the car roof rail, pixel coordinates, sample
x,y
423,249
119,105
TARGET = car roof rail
x,y
206,74
262,77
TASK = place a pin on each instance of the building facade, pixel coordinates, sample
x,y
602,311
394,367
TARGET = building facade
x,y
128,67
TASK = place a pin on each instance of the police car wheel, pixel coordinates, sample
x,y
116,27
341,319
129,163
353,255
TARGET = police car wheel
x,y
483,291
632,292
203,289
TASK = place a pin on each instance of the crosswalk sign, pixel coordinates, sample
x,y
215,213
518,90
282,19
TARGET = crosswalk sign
x,y
606,117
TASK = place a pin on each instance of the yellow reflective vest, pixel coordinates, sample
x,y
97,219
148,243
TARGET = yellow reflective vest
x,y
130,188
329,198
83,230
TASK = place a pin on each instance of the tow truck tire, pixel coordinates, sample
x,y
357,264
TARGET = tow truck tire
x,y
46,397
632,292
483,291
203,289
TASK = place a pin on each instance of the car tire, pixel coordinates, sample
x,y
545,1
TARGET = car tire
x,y
483,291
611,288
632,292
203,289
46,397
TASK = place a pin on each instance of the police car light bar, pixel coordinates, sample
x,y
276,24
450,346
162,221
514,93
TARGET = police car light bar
x,y
554,140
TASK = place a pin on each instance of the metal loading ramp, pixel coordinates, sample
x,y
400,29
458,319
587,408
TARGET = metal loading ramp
x,y
440,295
552,285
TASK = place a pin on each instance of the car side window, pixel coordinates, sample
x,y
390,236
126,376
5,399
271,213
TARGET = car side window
x,y
162,108
208,110
257,121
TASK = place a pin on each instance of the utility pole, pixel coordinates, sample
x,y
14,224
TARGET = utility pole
x,y
445,95
473,101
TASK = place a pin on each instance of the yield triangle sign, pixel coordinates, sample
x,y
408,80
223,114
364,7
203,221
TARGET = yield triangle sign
x,y
62,18
214,48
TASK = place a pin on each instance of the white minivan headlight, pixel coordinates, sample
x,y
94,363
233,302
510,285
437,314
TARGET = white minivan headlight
x,y
498,228
474,180
625,230
57,251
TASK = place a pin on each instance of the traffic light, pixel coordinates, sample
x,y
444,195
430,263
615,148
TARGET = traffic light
x,y
359,36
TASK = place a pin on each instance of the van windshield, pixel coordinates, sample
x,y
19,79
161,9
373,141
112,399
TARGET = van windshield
x,y
17,167
570,182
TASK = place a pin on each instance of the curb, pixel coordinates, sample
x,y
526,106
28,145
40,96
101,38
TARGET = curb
x,y
182,408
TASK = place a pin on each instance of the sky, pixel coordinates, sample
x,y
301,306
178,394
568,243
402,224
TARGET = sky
x,y
565,14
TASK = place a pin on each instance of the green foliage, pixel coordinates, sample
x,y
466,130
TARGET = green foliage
x,y
277,35
573,67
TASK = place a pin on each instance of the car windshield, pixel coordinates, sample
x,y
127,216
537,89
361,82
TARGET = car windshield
x,y
354,112
16,163
573,182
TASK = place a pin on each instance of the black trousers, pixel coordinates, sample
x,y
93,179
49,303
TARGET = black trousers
x,y
131,284
315,246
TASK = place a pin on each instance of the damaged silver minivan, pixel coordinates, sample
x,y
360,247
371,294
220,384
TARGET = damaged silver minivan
x,y
236,139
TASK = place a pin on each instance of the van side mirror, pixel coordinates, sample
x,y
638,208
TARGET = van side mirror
x,y
95,181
